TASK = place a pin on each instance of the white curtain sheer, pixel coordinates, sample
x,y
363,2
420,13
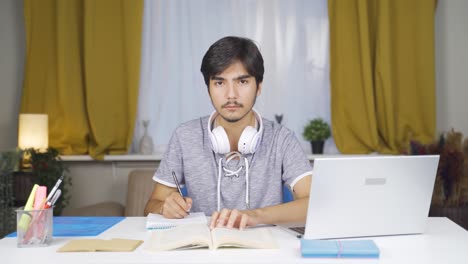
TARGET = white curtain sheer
x,y
293,38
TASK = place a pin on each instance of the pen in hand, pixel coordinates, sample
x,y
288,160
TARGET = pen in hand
x,y
178,186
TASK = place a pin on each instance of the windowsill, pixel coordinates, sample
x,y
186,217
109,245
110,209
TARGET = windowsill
x,y
158,157
127,157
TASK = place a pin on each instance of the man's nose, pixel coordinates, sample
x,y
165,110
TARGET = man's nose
x,y
232,92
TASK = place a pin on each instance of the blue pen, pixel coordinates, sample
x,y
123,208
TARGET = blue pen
x,y
178,185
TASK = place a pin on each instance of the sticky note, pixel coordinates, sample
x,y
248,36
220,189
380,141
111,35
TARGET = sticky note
x,y
25,219
41,194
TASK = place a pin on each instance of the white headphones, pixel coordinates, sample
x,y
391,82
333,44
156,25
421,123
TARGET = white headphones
x,y
247,142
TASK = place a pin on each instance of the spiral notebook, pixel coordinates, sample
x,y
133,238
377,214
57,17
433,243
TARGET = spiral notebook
x,y
157,221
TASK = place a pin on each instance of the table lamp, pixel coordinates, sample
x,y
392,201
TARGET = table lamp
x,y
33,131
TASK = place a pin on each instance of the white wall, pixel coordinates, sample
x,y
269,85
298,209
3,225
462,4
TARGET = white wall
x,y
94,182
451,65
12,44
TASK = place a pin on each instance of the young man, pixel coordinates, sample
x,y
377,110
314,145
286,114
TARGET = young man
x,y
233,163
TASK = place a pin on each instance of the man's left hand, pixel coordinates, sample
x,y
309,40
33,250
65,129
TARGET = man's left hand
x,y
233,219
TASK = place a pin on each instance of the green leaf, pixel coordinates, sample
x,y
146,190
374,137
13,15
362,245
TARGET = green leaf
x,y
316,130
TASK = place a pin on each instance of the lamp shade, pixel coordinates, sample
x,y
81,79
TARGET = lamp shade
x,y
33,131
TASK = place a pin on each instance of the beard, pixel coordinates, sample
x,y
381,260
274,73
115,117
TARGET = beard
x,y
233,120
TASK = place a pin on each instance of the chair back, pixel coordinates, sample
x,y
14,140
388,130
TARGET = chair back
x,y
140,187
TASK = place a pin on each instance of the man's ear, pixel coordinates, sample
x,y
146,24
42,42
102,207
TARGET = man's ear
x,y
259,89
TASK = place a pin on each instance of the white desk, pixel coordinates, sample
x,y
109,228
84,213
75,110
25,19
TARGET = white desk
x,y
444,242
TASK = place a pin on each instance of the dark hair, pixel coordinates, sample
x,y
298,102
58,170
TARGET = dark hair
x,y
228,50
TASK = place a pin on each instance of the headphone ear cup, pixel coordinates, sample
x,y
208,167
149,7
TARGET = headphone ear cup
x,y
248,140
220,140
214,144
253,145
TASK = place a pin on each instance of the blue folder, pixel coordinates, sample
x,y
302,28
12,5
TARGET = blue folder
x,y
312,248
81,225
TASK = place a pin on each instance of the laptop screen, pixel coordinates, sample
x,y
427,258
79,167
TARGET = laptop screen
x,y
370,196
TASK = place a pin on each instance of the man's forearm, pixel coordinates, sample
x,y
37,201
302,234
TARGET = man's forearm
x,y
292,212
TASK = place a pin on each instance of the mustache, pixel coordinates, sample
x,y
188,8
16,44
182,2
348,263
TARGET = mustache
x,y
232,103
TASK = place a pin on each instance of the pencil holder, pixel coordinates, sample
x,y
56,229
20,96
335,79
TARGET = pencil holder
x,y
34,227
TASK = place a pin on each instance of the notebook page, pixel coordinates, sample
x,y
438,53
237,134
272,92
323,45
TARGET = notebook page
x,y
157,221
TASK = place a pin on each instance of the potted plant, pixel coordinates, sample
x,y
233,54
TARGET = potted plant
x,y
450,195
8,163
317,131
47,167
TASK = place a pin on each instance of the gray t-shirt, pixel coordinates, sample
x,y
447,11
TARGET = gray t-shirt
x,y
278,159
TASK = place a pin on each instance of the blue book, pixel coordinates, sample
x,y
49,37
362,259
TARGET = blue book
x,y
312,248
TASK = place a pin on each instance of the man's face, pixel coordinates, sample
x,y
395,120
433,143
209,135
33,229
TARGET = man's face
x,y
233,92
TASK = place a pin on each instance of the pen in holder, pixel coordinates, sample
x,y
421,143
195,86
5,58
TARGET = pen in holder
x,y
34,227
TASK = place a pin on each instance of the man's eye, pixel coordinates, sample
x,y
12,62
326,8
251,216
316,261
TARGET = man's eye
x,y
218,83
244,81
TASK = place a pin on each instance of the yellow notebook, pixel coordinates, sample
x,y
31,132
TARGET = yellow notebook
x,y
115,244
200,235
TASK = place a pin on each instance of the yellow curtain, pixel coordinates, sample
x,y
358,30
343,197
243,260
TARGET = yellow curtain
x,y
382,72
82,69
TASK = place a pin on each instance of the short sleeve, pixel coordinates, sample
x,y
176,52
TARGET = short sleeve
x,y
295,163
171,161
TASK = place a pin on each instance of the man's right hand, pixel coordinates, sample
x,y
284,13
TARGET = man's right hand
x,y
176,206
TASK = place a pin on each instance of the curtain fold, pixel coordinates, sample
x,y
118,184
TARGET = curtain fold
x,y
82,69
382,72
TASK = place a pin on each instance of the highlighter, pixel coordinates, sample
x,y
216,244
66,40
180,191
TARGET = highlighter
x,y
25,219
41,194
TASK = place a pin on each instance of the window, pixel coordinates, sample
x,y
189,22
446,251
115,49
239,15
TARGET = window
x,y
292,36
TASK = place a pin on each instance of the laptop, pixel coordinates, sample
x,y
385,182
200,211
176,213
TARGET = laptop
x,y
370,196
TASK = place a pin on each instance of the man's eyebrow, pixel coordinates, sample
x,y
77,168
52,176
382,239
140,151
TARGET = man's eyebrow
x,y
245,76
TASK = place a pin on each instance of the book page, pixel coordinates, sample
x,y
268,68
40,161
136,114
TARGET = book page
x,y
180,237
259,238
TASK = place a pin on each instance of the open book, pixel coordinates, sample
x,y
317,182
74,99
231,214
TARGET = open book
x,y
199,235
